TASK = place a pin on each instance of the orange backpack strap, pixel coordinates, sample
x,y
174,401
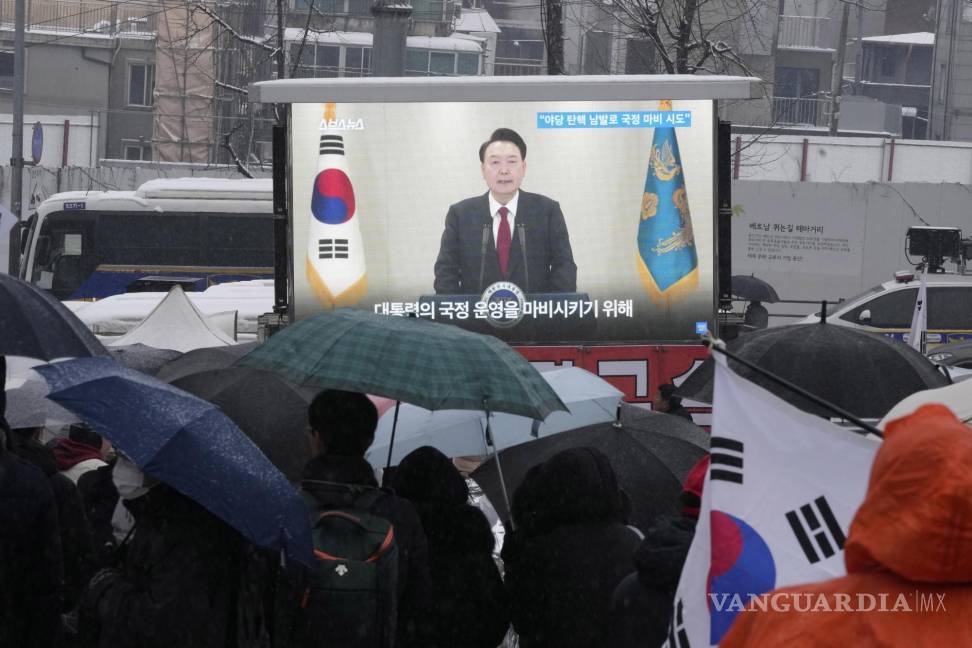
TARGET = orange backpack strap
x,y
385,544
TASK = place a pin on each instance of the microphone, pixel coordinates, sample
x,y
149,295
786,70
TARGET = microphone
x,y
521,234
487,230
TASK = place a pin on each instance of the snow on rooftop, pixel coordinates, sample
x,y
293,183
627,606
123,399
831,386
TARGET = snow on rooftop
x,y
192,187
915,38
476,20
364,39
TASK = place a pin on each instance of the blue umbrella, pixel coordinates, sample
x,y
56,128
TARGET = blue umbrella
x,y
37,325
187,443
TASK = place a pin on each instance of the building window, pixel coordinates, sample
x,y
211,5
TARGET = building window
x,y
141,84
136,150
888,61
420,62
639,57
6,70
357,61
324,61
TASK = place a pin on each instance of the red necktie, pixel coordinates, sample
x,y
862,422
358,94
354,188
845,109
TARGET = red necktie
x,y
503,240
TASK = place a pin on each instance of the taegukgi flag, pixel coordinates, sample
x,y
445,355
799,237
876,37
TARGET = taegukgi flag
x,y
335,252
667,262
919,318
782,488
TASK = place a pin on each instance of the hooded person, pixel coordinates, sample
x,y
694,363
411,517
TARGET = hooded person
x,y
570,549
642,603
467,605
178,584
31,567
76,542
909,568
341,429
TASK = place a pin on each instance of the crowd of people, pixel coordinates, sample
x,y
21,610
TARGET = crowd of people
x,y
96,553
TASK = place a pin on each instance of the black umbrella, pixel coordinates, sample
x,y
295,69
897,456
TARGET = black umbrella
x,y
863,373
205,359
751,288
271,410
142,357
640,418
698,385
650,464
36,325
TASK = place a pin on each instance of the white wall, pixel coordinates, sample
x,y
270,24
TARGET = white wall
x,y
853,159
857,238
83,138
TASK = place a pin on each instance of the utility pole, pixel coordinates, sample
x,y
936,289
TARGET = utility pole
x,y
17,141
281,53
837,83
554,35
859,53
953,28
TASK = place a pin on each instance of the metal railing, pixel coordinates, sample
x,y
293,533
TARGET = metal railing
x,y
80,16
806,111
518,67
806,32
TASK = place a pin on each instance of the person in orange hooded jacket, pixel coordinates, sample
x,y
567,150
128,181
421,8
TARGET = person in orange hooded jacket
x,y
911,540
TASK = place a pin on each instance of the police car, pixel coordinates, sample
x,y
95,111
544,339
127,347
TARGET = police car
x,y
888,308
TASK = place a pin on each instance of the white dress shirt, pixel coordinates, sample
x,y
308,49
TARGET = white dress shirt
x,y
494,207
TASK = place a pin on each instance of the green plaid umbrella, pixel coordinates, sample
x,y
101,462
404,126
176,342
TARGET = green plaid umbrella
x,y
413,360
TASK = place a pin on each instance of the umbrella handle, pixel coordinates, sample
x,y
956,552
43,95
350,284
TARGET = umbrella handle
x,y
499,471
391,445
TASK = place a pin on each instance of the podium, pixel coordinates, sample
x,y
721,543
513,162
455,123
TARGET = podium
x,y
547,317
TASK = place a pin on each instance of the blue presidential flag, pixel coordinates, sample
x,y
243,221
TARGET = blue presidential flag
x,y
667,261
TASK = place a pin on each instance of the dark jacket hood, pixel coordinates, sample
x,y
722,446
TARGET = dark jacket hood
x,y
661,555
427,475
456,529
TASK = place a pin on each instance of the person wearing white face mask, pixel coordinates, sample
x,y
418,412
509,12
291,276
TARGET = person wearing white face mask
x,y
175,584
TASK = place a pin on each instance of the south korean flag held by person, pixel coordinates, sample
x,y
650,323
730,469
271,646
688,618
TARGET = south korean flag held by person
x,y
782,488
335,253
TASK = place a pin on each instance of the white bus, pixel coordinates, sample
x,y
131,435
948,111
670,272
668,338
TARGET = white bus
x,y
192,231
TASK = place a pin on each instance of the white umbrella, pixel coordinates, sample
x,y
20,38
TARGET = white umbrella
x,y
458,433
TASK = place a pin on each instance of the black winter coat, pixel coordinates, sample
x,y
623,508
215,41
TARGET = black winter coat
x,y
176,587
642,604
562,565
31,572
467,603
413,565
76,544
100,497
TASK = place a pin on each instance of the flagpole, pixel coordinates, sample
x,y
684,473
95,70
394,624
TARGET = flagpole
x,y
717,345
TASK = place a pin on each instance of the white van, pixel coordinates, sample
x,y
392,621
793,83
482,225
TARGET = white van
x,y
888,308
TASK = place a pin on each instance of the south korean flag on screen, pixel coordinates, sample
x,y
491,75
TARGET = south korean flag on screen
x,y
782,488
335,264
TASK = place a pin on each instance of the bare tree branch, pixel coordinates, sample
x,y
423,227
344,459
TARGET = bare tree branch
x,y
249,40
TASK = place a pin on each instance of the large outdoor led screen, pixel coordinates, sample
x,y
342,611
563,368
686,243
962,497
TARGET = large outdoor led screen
x,y
610,237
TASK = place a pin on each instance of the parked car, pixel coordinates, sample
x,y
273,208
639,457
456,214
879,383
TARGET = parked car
x,y
958,354
888,308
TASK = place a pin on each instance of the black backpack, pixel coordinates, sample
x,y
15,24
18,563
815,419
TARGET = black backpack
x,y
350,597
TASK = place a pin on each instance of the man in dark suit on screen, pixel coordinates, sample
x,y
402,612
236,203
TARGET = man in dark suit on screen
x,y
505,234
